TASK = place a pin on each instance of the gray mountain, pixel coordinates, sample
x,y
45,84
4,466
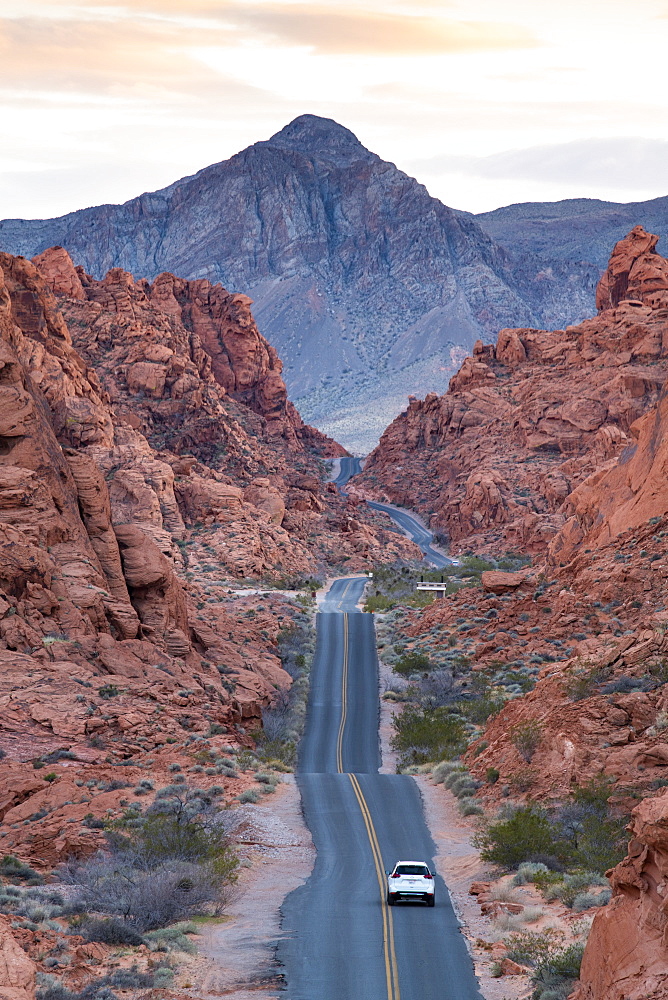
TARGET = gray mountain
x,y
582,229
368,287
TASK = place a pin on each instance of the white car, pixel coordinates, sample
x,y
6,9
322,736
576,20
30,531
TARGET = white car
x,y
410,880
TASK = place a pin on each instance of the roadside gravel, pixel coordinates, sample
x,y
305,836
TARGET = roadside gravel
x,y
238,955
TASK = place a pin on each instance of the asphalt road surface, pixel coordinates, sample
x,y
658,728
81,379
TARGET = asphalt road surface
x,y
409,524
340,939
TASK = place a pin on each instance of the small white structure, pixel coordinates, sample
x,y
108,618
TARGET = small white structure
x,y
436,588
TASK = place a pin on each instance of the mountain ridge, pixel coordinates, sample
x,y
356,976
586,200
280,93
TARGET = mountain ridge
x,y
361,280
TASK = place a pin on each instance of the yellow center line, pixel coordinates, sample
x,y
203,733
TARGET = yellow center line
x,y
389,953
344,697
391,971
343,595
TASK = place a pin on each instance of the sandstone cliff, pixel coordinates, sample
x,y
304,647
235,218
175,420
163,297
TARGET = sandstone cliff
x,y
554,444
527,420
118,634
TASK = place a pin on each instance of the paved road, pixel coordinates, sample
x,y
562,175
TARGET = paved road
x,y
341,940
408,523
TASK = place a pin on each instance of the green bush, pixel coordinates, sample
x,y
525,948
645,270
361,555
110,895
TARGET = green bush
x,y
509,842
492,775
379,602
427,734
479,710
412,663
526,737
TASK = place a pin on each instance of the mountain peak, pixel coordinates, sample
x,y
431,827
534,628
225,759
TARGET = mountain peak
x,y
322,137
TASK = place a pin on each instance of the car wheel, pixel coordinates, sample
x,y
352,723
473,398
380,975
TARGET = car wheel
x,y
391,899
431,900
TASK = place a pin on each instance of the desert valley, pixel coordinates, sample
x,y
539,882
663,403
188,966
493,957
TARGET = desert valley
x,y
206,603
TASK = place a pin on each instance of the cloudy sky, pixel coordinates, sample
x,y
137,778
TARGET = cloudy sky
x,y
487,102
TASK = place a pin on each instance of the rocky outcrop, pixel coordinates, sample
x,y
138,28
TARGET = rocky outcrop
x,y
526,421
627,956
636,271
348,260
117,628
17,971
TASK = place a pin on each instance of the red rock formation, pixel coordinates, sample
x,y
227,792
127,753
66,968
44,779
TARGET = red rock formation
x,y
636,271
526,421
554,444
627,952
17,971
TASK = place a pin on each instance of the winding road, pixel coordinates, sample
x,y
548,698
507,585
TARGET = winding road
x,y
340,939
409,524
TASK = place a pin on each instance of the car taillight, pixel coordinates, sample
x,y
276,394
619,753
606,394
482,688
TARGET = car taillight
x,y
396,875
429,875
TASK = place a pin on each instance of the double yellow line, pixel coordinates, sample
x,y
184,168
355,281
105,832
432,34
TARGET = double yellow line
x,y
389,953
344,697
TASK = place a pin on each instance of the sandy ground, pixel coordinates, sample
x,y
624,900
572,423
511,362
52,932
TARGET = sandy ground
x,y
238,955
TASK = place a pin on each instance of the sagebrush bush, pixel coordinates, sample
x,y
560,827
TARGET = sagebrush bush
x,y
249,795
164,866
528,870
586,900
444,769
526,737
469,807
109,931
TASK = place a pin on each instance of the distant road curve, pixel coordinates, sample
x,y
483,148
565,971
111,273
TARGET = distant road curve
x,y
345,468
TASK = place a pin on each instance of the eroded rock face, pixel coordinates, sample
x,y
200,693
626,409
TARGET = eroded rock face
x,y
117,552
554,444
17,971
526,421
627,954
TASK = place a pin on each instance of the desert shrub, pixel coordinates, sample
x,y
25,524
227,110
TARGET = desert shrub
x,y
163,977
173,938
444,769
108,691
18,871
463,784
427,734
454,775
585,680
522,781
110,931
479,710
555,976
595,835
93,822
146,898
249,795
162,867
573,886
412,663
509,842
469,807
379,602
528,871
492,775
526,737
585,900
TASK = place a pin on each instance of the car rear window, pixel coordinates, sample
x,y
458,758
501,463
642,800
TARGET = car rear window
x,y
410,869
